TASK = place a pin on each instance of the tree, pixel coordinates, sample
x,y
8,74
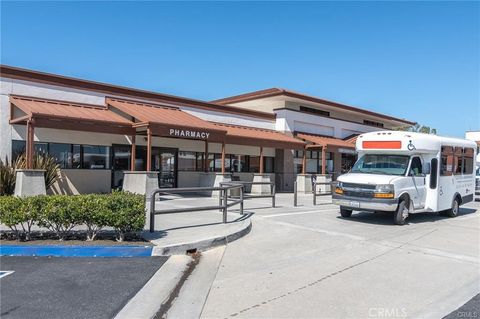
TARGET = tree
x,y
418,128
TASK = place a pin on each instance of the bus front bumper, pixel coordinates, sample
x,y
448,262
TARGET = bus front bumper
x,y
370,204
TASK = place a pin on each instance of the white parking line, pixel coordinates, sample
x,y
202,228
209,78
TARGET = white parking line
x,y
323,231
4,273
297,213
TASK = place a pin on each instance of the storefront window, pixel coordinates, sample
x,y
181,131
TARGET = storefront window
x,y
186,161
254,164
96,157
76,156
62,154
199,159
18,148
239,163
269,165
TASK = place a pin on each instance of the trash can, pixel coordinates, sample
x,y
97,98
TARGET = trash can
x,y
235,192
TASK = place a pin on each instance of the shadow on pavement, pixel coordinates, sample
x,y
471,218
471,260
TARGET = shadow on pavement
x,y
386,218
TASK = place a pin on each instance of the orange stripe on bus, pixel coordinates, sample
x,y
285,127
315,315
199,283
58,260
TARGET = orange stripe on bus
x,y
382,144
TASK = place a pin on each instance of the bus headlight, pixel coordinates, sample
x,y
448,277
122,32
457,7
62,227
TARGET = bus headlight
x,y
339,188
384,191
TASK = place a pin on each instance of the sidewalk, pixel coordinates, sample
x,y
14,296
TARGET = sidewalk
x,y
201,230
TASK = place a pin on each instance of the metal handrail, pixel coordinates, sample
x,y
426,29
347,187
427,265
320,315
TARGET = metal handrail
x,y
223,205
245,195
314,190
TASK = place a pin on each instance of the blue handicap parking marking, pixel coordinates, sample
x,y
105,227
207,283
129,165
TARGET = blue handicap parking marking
x,y
76,251
4,273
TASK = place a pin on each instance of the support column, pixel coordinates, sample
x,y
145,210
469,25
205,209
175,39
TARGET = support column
x,y
133,154
149,149
205,163
30,141
262,169
304,161
324,160
223,157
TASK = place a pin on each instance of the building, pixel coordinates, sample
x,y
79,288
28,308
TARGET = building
x,y
474,136
97,131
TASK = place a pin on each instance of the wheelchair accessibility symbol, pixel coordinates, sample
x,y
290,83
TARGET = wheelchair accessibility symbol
x,y
410,146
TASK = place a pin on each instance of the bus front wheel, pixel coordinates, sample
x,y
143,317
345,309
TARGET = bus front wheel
x,y
453,212
345,212
401,213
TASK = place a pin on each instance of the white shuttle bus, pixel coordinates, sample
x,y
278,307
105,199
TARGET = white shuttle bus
x,y
407,173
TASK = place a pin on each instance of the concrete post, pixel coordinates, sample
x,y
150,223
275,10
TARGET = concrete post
x,y
30,182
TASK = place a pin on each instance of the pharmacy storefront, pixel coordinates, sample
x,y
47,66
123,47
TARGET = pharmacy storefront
x,y
97,132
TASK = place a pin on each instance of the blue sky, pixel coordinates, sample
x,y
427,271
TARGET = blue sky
x,y
416,60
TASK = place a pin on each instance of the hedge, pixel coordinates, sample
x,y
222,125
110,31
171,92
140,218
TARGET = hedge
x,y
123,211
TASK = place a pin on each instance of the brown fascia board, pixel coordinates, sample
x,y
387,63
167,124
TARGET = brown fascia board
x,y
277,92
60,80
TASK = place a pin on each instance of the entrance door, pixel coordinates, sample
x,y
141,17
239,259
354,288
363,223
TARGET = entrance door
x,y
164,161
419,191
120,163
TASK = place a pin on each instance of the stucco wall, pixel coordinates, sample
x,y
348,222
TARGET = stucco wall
x,y
83,181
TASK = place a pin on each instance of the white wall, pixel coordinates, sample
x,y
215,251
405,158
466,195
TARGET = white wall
x,y
290,121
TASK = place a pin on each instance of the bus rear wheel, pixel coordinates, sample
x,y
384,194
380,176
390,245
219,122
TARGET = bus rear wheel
x,y
453,212
401,213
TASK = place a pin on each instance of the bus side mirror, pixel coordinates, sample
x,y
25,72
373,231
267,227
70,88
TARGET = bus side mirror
x,y
426,169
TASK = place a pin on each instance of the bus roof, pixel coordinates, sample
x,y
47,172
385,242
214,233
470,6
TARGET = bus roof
x,y
403,141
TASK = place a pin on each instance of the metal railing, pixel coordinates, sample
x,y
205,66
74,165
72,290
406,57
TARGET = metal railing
x,y
314,191
246,195
223,204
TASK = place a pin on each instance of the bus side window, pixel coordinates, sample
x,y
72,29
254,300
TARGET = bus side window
x,y
416,167
468,167
433,173
446,168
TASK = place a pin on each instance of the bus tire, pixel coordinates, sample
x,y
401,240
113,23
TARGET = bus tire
x,y
346,213
401,214
453,212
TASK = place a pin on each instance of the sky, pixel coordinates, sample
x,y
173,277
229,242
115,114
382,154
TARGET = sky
x,y
413,60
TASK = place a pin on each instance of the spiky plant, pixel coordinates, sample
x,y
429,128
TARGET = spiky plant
x,y
7,178
41,161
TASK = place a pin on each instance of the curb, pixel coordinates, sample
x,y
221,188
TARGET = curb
x,y
202,244
147,302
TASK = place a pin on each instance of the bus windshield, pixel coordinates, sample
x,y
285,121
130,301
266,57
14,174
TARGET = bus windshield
x,y
381,164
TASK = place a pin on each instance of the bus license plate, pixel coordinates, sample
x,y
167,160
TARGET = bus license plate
x,y
355,204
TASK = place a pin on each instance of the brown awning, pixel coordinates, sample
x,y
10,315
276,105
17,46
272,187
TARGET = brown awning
x,y
67,115
253,136
322,141
167,121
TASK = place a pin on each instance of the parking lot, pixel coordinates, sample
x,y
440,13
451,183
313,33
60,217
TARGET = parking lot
x,y
309,262
71,287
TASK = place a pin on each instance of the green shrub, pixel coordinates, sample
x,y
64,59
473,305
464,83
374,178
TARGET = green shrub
x,y
93,212
30,209
61,214
11,214
126,213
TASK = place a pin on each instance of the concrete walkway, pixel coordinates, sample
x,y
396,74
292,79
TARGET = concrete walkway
x,y
182,232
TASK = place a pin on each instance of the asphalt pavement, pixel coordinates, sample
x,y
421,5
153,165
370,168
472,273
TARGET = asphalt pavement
x,y
69,287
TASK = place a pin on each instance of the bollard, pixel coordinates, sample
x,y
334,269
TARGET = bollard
x,y
273,195
225,203
295,194
314,191
241,200
152,213
220,196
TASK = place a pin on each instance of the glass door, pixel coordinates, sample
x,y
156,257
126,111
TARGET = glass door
x,y
164,160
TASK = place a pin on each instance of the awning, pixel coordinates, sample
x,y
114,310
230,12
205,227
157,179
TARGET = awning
x,y
67,115
322,141
244,135
167,121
